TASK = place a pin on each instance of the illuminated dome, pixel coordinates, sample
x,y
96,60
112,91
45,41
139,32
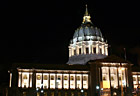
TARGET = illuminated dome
x,y
87,32
87,43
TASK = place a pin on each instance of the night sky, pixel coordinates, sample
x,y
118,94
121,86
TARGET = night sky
x,y
39,32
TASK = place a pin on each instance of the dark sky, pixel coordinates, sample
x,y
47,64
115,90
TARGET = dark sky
x,y
39,32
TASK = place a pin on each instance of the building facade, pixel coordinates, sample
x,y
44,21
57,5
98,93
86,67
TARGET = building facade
x,y
88,72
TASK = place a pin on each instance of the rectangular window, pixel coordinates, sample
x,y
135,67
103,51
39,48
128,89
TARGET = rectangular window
x,y
79,50
84,78
87,50
134,78
101,50
112,78
71,78
75,52
78,78
94,50
38,80
25,80
138,78
45,80
59,77
66,81
85,81
38,77
52,77
45,77
72,81
65,78
52,81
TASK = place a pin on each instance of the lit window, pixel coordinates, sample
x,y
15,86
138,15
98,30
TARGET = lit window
x,y
138,78
78,86
119,78
104,78
25,77
45,77
52,77
38,77
134,78
78,77
71,78
65,78
59,78
112,78
85,78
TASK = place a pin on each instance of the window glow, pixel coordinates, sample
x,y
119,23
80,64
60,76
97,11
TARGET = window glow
x,y
25,79
52,81
72,81
79,81
59,81
45,80
85,81
38,80
66,81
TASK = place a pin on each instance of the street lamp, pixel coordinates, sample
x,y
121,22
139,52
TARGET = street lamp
x,y
121,69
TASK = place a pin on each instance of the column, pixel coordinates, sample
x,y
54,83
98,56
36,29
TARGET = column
x,y
118,77
81,81
19,79
97,48
10,80
69,81
110,80
69,52
34,79
30,76
103,51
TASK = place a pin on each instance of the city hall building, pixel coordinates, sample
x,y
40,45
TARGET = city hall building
x,y
88,72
